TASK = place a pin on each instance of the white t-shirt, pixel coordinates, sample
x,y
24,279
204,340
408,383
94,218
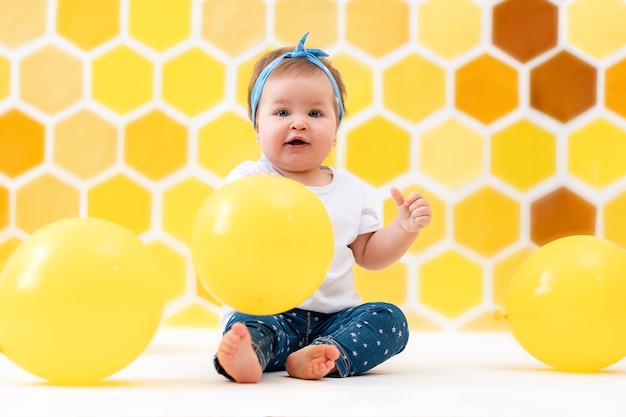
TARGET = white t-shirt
x,y
351,213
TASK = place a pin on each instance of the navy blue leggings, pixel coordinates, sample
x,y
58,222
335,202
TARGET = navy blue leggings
x,y
366,336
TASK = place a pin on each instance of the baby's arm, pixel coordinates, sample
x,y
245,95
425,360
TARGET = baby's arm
x,y
385,246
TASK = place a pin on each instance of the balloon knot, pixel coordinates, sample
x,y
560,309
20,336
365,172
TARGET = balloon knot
x,y
498,315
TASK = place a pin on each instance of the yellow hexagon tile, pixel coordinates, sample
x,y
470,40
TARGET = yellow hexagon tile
x,y
155,145
181,203
5,77
523,154
420,322
485,322
614,227
486,89
366,149
597,26
232,28
22,143
615,88
358,79
525,28
22,21
561,213
387,284
121,200
244,71
84,158
51,79
122,79
377,30
160,24
414,88
174,266
563,87
88,24
596,153
436,230
449,27
292,18
452,153
450,284
193,81
487,221
4,207
193,315
331,159
45,200
225,142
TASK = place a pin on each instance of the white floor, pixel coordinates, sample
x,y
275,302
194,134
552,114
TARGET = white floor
x,y
440,374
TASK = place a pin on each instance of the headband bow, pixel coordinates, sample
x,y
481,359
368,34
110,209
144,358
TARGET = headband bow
x,y
310,54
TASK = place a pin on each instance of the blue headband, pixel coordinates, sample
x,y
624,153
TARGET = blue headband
x,y
300,52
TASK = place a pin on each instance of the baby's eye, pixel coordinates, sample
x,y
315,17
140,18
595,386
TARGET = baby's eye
x,y
282,113
315,113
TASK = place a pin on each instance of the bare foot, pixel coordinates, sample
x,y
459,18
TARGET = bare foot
x,y
237,356
312,362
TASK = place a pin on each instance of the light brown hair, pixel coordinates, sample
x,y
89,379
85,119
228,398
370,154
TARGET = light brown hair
x,y
293,65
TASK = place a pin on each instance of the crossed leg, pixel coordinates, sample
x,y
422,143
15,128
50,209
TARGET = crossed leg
x,y
312,362
236,355
238,358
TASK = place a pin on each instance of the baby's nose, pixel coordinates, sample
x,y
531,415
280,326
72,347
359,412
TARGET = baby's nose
x,y
298,124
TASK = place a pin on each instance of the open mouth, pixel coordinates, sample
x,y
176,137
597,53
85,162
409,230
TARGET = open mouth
x,y
296,142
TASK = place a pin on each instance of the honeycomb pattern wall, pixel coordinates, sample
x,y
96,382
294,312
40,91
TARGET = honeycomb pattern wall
x,y
510,116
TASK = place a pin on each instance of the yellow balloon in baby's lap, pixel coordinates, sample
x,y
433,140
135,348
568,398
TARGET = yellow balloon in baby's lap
x,y
262,244
567,304
80,299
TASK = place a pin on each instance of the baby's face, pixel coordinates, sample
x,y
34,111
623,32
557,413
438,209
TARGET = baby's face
x,y
297,121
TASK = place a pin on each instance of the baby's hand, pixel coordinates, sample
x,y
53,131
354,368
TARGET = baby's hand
x,y
413,211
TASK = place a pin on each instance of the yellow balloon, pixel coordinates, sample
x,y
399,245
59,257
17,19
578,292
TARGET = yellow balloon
x,y
566,304
262,244
80,299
